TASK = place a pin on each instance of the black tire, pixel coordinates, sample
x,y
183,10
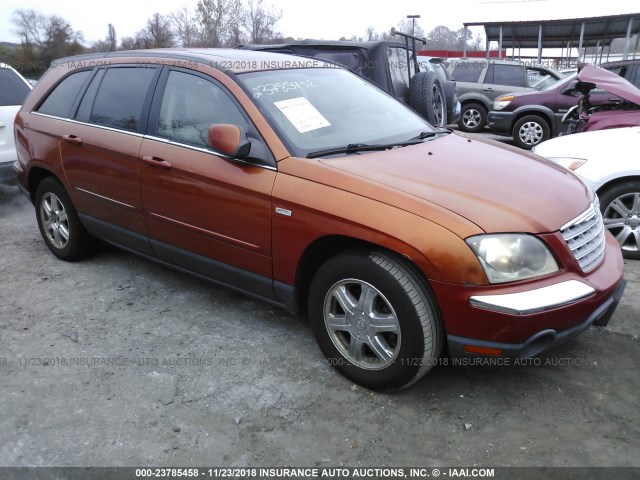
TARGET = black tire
x,y
426,96
530,131
617,204
473,117
408,336
59,223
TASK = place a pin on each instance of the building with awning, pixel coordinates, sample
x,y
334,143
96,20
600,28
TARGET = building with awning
x,y
567,34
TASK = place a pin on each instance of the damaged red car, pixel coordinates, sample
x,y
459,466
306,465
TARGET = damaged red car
x,y
620,112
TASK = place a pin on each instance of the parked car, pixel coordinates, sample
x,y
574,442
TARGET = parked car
x,y
621,110
480,81
531,118
628,69
13,90
391,66
308,187
615,177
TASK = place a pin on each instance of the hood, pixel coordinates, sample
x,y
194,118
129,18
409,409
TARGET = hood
x,y
498,188
610,82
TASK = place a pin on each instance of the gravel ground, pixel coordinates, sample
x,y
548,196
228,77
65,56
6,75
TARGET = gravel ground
x,y
117,361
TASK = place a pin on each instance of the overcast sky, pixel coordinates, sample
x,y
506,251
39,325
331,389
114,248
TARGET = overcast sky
x,y
329,19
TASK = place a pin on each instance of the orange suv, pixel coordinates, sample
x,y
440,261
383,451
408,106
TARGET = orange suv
x,y
307,187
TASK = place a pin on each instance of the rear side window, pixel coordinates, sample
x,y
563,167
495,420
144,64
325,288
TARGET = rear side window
x,y
510,75
13,90
60,100
468,71
121,96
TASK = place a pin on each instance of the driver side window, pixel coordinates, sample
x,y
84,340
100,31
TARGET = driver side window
x,y
190,105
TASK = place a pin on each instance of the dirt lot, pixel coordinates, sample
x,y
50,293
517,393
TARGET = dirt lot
x,y
116,361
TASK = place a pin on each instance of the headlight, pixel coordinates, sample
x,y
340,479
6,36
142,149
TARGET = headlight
x,y
568,162
501,102
510,257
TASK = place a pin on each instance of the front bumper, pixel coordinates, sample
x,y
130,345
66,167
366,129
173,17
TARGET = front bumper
x,y
500,122
544,340
525,320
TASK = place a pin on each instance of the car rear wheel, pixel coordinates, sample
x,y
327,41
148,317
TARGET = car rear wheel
x,y
375,320
473,117
426,96
529,131
59,223
620,206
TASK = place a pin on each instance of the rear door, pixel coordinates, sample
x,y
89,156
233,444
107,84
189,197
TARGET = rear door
x,y
197,201
100,146
501,79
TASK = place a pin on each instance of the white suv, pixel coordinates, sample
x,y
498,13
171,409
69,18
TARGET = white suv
x,y
13,90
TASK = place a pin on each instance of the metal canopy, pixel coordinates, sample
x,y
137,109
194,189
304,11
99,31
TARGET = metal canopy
x,y
578,32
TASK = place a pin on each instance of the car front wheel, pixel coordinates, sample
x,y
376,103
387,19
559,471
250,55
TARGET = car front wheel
x,y
473,117
620,206
375,320
529,131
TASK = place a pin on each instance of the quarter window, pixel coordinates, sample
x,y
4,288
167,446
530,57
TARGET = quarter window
x,y
60,100
190,105
121,96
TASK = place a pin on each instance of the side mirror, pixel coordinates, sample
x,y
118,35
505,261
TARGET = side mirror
x,y
229,139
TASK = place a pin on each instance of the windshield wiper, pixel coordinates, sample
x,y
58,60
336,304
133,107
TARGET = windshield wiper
x,y
364,147
358,147
434,133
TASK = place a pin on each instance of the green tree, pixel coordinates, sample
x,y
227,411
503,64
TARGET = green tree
x,y
406,25
185,28
441,38
43,39
157,33
261,21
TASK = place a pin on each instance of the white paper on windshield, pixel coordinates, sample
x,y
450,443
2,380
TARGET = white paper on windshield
x,y
302,115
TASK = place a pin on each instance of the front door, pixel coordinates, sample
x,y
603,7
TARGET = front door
x,y
195,200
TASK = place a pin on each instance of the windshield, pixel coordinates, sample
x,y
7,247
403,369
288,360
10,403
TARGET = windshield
x,y
544,82
563,82
322,108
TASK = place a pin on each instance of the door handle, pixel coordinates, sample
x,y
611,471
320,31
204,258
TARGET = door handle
x,y
156,162
2,125
72,139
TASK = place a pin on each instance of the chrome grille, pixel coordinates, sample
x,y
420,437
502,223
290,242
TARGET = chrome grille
x,y
585,237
